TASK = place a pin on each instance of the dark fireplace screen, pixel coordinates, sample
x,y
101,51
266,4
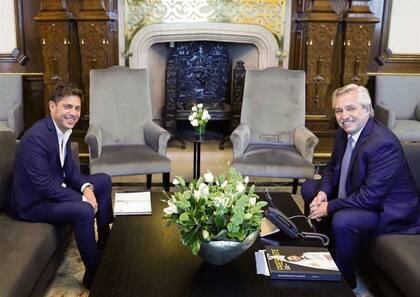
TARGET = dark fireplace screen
x,y
197,72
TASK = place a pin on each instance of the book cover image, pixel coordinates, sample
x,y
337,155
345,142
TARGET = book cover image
x,y
301,263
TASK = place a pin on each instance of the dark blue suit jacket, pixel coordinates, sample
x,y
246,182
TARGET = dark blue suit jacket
x,y
38,175
379,179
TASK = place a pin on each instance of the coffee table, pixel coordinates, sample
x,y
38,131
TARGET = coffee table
x,y
145,258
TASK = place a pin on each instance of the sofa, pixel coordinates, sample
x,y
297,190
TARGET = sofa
x,y
394,265
30,253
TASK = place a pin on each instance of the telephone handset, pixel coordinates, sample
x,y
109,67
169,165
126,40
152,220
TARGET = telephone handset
x,y
278,218
284,223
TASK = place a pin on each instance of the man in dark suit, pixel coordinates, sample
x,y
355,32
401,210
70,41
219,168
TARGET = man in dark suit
x,y
48,187
367,188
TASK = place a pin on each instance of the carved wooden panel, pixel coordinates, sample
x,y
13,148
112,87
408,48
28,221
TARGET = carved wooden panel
x,y
94,43
320,46
55,42
357,46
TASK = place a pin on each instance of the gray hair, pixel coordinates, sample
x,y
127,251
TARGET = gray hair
x,y
363,96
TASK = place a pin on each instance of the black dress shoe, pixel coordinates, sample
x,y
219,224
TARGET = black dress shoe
x,y
88,278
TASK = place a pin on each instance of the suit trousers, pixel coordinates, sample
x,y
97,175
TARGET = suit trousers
x,y
80,215
352,229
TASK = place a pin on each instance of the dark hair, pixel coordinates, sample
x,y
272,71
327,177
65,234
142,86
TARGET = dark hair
x,y
65,89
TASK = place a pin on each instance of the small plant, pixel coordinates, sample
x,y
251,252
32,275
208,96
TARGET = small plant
x,y
214,208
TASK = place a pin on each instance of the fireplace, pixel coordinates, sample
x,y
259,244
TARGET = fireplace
x,y
253,45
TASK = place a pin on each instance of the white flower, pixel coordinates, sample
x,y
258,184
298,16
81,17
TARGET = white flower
x,y
175,181
203,190
252,201
208,177
191,118
171,209
200,105
205,234
194,123
240,187
220,201
194,114
196,194
224,184
194,108
246,179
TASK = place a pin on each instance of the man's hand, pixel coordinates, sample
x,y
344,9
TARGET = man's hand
x,y
316,202
319,212
90,197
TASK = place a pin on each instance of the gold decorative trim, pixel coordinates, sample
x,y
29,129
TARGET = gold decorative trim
x,y
322,155
316,117
270,14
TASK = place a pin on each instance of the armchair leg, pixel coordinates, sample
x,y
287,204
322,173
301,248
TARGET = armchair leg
x,y
166,178
149,181
295,185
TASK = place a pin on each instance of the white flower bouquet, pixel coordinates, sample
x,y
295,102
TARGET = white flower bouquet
x,y
199,115
214,208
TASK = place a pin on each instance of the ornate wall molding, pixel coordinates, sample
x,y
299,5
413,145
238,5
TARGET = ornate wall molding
x,y
236,33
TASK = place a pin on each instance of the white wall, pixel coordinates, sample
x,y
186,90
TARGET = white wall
x,y
7,26
404,35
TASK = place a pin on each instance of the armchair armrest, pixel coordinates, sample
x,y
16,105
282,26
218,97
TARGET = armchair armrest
x,y
240,139
15,119
156,137
305,142
385,115
418,112
93,139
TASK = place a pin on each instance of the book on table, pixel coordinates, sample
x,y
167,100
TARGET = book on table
x,y
135,203
301,263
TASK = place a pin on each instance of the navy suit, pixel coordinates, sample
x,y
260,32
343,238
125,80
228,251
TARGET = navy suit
x,y
38,194
382,195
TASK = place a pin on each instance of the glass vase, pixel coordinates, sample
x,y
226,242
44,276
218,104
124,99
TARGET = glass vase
x,y
200,130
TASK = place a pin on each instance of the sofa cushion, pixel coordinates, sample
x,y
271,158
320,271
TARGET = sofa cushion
x,y
7,158
398,255
25,249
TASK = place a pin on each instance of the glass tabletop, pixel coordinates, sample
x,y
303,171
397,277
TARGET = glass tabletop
x,y
191,136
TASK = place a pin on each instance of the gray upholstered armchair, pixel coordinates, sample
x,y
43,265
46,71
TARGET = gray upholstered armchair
x,y
271,140
11,107
397,99
122,137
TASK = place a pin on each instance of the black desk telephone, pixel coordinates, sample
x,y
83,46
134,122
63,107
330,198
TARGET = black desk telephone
x,y
285,224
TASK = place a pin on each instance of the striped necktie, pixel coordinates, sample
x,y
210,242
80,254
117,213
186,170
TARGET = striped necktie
x,y
342,193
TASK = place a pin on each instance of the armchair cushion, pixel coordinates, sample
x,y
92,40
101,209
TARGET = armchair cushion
x,y
407,130
156,137
273,161
121,160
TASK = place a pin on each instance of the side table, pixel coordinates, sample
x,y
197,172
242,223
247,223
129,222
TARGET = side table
x,y
197,140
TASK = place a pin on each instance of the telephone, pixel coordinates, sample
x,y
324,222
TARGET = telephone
x,y
285,224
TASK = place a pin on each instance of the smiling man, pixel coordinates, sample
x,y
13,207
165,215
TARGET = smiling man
x,y
367,188
48,187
